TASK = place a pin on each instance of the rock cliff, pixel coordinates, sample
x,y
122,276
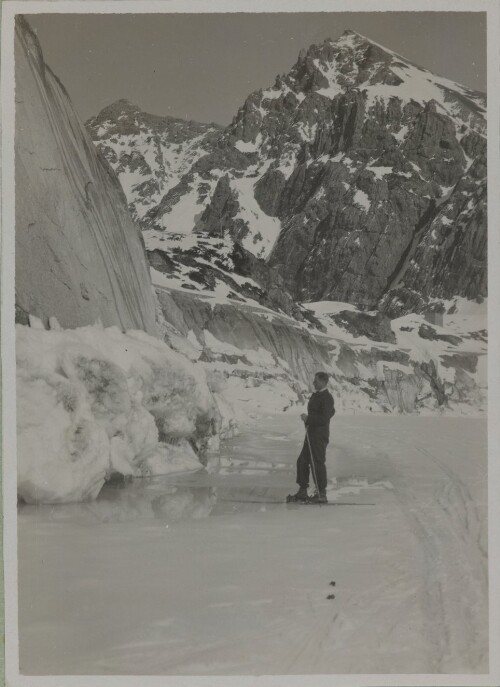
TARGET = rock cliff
x,y
79,256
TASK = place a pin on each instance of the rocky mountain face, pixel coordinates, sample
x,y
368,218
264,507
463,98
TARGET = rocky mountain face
x,y
357,177
388,161
79,256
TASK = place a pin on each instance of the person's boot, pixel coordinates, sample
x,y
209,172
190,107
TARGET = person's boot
x,y
318,498
299,497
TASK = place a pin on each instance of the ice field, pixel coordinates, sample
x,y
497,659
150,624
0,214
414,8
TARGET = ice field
x,y
210,573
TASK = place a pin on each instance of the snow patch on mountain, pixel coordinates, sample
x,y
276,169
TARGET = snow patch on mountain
x,y
379,172
262,229
249,147
362,199
181,218
424,80
150,154
287,161
421,87
401,134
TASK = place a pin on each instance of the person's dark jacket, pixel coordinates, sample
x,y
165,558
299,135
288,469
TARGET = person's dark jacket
x,y
320,410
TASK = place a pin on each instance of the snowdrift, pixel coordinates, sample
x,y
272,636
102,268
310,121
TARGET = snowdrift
x,y
94,401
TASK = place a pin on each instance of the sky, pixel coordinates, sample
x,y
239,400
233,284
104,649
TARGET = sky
x,y
202,66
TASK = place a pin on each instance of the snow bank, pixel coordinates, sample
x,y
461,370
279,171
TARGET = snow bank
x,y
94,401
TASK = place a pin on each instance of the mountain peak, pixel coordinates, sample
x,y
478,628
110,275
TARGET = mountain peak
x,y
353,61
124,106
350,33
116,109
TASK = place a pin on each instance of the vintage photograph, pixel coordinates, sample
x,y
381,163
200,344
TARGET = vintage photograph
x,y
251,344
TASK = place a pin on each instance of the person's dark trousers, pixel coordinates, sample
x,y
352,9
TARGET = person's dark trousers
x,y
319,442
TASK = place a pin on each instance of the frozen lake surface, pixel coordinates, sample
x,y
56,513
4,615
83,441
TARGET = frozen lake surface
x,y
209,573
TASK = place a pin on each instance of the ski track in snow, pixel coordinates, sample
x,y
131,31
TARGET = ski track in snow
x,y
244,590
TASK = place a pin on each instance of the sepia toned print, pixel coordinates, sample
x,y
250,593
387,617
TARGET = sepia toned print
x,y
251,347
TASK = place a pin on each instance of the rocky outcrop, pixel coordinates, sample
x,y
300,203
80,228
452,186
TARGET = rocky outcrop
x,y
375,326
451,256
268,191
220,216
353,231
427,332
429,372
273,292
79,256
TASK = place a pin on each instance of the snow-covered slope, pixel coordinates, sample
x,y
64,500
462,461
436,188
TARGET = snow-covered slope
x,y
149,154
79,256
264,361
409,364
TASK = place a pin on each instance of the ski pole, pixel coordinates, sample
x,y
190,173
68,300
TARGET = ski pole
x,y
312,461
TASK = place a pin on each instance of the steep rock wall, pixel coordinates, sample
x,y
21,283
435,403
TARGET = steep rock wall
x,y
79,256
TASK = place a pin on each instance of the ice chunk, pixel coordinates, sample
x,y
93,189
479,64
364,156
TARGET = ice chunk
x,y
94,401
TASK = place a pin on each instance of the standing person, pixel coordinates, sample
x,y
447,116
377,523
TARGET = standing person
x,y
320,410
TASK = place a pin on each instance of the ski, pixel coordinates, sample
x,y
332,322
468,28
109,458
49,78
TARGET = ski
x,y
328,503
295,503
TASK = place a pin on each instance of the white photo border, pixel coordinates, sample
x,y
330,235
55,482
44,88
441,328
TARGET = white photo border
x,y
9,10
